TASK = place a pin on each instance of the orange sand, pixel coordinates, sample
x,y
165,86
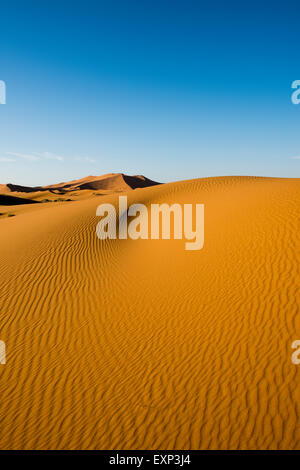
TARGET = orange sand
x,y
142,344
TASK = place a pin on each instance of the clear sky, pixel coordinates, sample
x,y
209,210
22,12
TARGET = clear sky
x,y
169,89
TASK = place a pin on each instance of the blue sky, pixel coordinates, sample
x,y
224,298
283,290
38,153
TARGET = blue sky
x,y
169,89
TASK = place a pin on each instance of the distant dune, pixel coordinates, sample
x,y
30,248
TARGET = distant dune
x,y
109,182
124,344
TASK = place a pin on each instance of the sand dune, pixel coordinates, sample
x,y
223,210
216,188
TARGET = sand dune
x,y
79,189
15,188
124,344
109,182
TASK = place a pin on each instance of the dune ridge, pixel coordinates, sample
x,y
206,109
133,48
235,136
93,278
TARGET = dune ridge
x,y
124,344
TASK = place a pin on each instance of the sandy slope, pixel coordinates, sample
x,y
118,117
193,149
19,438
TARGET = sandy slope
x,y
141,344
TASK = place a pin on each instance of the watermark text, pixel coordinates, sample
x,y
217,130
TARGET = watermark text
x,y
188,222
2,92
2,352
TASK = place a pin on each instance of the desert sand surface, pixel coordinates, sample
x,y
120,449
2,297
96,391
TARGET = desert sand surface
x,y
123,344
